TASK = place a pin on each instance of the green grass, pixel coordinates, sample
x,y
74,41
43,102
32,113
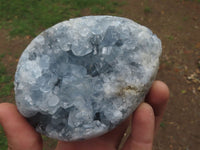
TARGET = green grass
x,y
32,16
170,37
5,78
2,55
185,18
6,84
162,125
6,89
147,9
3,140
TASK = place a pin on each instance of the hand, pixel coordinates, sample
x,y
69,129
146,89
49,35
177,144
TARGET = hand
x,y
145,121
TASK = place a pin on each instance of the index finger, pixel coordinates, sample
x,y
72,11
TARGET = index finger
x,y
20,135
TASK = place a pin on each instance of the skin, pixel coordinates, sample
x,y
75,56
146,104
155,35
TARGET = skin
x,y
145,121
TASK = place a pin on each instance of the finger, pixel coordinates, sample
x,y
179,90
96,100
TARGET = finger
x,y
158,97
20,135
115,136
143,125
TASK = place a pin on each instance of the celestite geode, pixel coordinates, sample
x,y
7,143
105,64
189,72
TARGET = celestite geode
x,y
82,77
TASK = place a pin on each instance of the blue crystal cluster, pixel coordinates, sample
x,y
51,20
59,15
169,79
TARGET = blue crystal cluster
x,y
82,77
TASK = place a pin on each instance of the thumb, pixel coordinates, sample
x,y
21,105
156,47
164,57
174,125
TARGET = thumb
x,y
143,125
20,135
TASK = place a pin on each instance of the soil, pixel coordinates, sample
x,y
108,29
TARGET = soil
x,y
177,24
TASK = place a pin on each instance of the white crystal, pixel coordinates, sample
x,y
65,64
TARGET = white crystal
x,y
82,77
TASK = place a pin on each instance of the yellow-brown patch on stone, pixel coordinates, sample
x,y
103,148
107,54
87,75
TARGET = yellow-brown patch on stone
x,y
128,89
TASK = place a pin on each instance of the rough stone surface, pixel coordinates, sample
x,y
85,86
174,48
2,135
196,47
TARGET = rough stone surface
x,y
82,77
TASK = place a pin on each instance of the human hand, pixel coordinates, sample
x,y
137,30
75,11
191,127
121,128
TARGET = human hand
x,y
145,121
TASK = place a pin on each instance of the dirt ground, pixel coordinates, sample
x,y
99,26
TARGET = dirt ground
x,y
177,24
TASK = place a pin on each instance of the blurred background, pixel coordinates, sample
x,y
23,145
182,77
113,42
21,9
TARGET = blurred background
x,y
176,23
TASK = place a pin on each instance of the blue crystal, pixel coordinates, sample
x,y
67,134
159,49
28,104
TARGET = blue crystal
x,y
82,77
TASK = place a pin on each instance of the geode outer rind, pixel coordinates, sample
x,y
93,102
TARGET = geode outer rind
x,y
82,77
